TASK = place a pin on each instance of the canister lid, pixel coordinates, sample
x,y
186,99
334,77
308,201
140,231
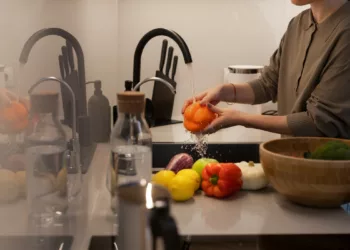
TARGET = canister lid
x,y
44,102
245,69
132,102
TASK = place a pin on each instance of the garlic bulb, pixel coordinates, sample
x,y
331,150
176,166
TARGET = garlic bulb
x,y
253,176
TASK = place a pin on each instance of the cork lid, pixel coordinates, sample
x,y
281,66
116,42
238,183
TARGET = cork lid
x,y
44,102
131,102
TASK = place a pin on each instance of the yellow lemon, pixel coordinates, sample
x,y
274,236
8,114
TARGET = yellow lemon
x,y
114,181
163,177
181,188
9,187
61,181
192,174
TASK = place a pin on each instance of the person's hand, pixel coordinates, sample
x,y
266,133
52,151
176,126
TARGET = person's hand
x,y
220,93
212,96
226,118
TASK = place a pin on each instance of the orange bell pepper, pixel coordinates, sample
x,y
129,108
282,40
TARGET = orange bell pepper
x,y
13,118
197,117
221,179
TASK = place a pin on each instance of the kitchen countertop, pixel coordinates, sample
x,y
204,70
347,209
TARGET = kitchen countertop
x,y
256,213
247,213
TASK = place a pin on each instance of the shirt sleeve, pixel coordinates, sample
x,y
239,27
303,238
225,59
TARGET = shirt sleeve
x,y
328,108
266,86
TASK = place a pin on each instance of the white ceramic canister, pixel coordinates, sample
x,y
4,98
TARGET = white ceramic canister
x,y
242,74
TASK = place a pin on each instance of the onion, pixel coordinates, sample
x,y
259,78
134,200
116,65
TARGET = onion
x,y
179,162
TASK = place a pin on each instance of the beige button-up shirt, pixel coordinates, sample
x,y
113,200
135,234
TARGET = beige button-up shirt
x,y
309,75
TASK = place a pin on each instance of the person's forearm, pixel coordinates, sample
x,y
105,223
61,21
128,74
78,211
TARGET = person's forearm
x,y
244,93
274,124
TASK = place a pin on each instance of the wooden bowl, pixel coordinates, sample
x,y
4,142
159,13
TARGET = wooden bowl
x,y
316,183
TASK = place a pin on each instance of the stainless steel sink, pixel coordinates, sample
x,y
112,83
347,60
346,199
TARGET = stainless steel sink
x,y
223,152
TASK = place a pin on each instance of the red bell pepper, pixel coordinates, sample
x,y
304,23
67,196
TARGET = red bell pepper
x,y
221,179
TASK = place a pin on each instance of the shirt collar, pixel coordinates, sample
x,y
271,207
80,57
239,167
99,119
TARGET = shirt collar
x,y
309,20
328,25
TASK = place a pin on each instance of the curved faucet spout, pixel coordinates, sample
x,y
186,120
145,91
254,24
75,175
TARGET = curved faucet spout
x,y
75,154
52,78
146,38
172,89
78,50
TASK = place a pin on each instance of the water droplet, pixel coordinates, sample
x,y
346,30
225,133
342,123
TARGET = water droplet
x,y
197,144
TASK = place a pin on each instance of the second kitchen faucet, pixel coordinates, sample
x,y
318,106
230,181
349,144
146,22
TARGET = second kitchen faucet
x,y
159,110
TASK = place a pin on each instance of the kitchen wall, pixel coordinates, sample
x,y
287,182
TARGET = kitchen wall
x,y
219,33
93,22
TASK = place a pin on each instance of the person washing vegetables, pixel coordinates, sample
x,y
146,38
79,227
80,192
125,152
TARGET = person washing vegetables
x,y
308,75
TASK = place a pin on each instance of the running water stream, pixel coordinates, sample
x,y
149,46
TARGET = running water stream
x,y
200,140
191,79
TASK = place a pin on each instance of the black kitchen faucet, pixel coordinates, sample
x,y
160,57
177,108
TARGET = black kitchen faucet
x,y
149,36
159,111
77,83
79,88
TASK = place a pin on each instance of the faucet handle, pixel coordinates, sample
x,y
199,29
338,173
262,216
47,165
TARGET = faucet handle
x,y
163,226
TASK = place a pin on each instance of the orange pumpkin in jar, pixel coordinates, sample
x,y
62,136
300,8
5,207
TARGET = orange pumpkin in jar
x,y
13,118
198,117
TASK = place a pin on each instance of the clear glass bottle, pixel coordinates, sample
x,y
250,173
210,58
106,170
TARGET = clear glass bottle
x,y
46,152
131,144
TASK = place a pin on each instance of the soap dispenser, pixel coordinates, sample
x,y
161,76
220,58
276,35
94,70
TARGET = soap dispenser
x,y
100,116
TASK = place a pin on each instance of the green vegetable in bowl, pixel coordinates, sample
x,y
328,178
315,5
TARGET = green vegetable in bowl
x,y
332,150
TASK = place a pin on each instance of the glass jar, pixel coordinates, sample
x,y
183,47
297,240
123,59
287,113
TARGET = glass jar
x,y
131,145
46,154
